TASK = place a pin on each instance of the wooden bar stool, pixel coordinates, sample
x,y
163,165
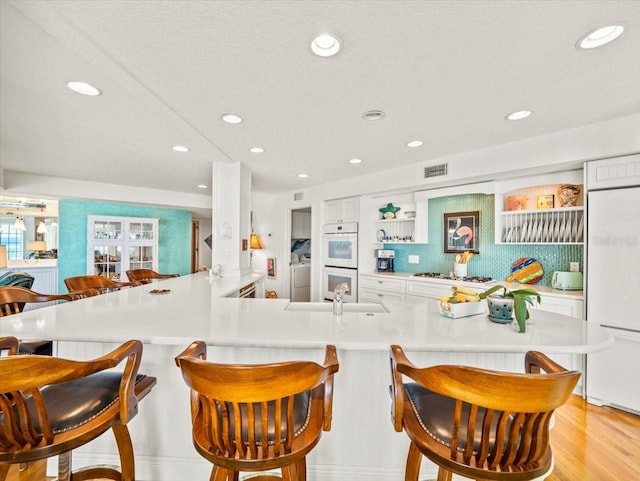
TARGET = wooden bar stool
x,y
258,417
477,423
102,284
50,406
144,276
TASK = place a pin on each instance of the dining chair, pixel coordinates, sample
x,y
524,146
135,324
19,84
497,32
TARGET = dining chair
x,y
479,423
257,417
50,406
144,276
102,284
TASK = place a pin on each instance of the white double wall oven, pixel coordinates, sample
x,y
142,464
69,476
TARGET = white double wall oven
x,y
340,259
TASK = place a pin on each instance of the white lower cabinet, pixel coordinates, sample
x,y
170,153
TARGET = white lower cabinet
x,y
427,290
560,305
379,289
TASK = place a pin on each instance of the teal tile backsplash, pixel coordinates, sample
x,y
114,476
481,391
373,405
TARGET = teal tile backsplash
x,y
494,260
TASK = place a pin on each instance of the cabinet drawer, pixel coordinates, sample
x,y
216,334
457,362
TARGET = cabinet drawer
x,y
425,289
391,285
374,295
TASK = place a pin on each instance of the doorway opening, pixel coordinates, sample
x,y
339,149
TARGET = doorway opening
x,y
300,255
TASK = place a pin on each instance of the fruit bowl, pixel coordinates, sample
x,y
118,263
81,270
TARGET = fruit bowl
x,y
463,309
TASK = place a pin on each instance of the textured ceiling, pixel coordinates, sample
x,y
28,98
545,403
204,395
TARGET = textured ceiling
x,y
445,72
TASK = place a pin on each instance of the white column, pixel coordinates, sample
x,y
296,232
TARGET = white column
x,y
231,220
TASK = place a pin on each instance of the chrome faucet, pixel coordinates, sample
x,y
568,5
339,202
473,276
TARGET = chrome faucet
x,y
338,298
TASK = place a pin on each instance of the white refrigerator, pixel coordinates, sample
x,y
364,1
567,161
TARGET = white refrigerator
x,y
613,295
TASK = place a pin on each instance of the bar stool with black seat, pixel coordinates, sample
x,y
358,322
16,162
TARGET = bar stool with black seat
x,y
102,284
12,301
145,276
478,423
50,406
258,417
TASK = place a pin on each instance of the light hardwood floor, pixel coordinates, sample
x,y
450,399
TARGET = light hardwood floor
x,y
592,443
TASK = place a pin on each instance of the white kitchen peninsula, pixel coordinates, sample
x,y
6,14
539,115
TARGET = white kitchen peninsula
x,y
362,444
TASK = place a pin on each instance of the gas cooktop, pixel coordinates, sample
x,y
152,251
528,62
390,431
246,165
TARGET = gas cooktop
x,y
445,277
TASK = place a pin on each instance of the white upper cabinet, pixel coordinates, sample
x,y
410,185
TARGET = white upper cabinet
x,y
613,173
546,209
300,224
342,210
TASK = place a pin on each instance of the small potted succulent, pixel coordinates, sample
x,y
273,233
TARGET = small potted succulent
x,y
503,306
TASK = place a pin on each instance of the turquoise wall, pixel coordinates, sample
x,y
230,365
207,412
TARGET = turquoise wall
x,y
494,260
174,236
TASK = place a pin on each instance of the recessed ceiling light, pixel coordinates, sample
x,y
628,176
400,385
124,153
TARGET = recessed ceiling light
x,y
180,148
256,150
303,176
373,115
202,186
231,118
83,88
355,161
414,143
325,45
600,37
519,115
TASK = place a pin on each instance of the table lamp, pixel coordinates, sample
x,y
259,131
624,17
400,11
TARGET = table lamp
x,y
37,247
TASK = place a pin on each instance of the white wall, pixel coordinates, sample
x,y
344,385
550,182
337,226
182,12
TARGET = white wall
x,y
271,223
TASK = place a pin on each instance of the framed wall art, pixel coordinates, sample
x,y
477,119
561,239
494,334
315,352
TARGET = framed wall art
x,y
545,201
461,231
271,267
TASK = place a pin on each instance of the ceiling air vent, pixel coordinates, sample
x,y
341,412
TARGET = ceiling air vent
x,y
436,170
298,195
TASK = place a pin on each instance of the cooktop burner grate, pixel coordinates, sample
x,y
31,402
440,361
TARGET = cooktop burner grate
x,y
437,275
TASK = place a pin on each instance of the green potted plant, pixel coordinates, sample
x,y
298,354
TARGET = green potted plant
x,y
508,303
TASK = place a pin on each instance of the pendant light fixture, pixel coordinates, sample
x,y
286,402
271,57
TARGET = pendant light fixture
x,y
42,227
19,224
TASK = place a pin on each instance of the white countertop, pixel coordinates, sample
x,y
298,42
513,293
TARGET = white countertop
x,y
194,309
31,264
543,290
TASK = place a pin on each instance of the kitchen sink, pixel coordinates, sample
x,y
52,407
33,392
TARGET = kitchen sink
x,y
328,307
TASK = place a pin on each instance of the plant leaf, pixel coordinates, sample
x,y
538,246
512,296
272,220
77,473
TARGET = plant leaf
x,y
488,292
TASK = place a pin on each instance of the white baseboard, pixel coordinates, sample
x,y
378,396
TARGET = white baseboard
x,y
179,469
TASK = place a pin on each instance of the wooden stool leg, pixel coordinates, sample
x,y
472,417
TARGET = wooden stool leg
x,y
414,459
4,470
223,474
64,466
125,450
302,469
444,474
